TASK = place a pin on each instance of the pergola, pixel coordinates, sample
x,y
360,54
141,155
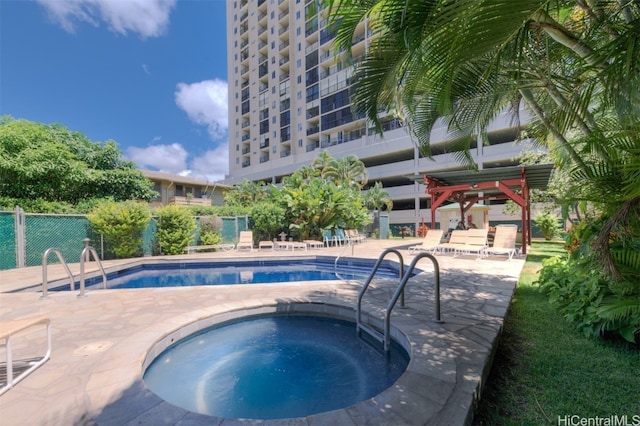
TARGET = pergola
x,y
467,187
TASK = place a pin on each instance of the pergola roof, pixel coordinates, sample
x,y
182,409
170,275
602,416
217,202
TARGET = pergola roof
x,y
537,177
466,188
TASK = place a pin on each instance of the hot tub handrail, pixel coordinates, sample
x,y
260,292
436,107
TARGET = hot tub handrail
x,y
400,289
359,324
45,281
86,255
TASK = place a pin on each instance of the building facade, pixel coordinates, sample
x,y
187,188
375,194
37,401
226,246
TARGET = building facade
x,y
183,190
289,99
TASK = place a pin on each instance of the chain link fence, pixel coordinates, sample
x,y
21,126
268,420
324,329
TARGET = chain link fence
x,y
24,237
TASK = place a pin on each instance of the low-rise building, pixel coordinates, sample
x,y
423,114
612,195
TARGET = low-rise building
x,y
184,190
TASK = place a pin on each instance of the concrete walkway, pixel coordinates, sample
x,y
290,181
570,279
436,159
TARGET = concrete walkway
x,y
103,342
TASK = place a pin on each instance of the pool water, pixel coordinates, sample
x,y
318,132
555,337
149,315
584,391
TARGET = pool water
x,y
274,367
247,272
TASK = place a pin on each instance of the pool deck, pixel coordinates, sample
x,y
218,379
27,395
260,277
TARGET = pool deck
x,y
101,342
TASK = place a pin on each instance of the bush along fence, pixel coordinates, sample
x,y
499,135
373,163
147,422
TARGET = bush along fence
x,y
24,237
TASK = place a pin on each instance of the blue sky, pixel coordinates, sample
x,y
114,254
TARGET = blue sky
x,y
149,74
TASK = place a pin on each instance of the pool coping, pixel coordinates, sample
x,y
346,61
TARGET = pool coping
x,y
448,366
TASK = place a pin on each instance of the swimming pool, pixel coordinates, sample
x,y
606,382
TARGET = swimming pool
x,y
180,273
273,367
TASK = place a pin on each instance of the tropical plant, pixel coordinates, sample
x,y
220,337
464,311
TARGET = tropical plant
x,y
573,64
121,225
548,224
245,194
375,198
176,227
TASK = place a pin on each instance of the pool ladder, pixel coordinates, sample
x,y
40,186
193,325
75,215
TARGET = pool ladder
x,y
86,254
385,337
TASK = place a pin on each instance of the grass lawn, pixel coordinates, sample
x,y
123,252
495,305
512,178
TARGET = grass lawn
x,y
544,368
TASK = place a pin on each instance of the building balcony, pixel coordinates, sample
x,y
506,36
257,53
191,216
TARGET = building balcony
x,y
187,201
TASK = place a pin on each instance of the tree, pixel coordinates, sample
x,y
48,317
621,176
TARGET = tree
x,y
245,194
348,170
375,199
53,163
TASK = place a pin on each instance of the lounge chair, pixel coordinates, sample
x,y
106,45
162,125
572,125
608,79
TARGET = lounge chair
x,y
457,240
265,245
328,238
430,242
314,244
341,237
246,241
354,236
475,242
504,241
18,369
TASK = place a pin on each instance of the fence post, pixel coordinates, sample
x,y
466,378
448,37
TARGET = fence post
x,y
21,247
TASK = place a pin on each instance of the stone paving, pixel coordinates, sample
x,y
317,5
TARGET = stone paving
x,y
101,342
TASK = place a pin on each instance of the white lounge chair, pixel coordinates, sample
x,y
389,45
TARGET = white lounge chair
x,y
430,242
457,240
18,369
504,241
475,242
266,244
246,241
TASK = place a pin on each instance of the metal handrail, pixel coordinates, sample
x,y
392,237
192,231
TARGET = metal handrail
x,y
400,289
359,324
86,255
335,262
45,281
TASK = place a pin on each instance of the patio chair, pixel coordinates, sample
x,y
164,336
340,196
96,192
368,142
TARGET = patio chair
x,y
328,238
246,241
430,242
341,237
354,236
504,241
457,239
475,242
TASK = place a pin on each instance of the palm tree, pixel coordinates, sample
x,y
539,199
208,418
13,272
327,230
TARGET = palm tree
x,y
347,171
575,64
375,199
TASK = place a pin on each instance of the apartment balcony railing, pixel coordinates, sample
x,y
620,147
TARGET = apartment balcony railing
x,y
187,201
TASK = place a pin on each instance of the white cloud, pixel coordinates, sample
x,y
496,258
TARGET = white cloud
x,y
213,165
148,18
166,158
205,103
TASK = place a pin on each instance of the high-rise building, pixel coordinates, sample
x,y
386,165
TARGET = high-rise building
x,y
289,99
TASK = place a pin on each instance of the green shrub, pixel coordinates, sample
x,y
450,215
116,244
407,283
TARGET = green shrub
x,y
175,230
210,238
122,225
268,220
548,224
576,291
210,230
584,298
